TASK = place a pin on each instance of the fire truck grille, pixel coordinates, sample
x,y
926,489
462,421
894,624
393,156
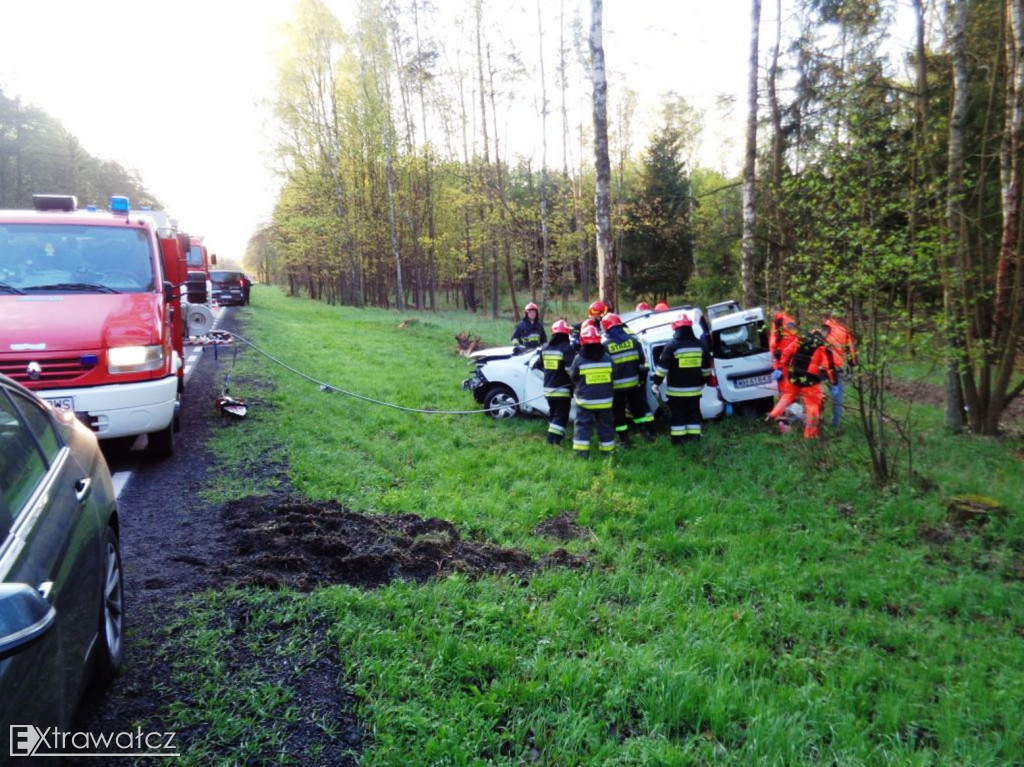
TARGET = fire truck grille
x,y
54,372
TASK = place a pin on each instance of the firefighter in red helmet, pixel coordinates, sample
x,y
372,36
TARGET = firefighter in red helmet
x,y
685,366
591,373
555,360
661,306
529,333
597,310
630,377
643,306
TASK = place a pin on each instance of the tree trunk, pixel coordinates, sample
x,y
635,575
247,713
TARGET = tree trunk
x,y
606,267
545,266
955,250
750,165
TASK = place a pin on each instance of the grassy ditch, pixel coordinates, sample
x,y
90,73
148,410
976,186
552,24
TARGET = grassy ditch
x,y
751,601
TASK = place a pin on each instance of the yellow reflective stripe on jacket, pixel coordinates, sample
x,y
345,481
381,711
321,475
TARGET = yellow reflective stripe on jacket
x,y
683,391
689,358
594,404
599,373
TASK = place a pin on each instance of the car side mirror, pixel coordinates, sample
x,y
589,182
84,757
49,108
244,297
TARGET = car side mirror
x,y
25,618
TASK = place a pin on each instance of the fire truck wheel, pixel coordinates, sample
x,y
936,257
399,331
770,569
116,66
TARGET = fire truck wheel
x,y
161,443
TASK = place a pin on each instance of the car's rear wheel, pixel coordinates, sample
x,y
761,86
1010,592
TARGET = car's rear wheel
x,y
501,402
110,643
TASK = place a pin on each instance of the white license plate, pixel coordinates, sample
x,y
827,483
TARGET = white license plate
x,y
743,383
62,403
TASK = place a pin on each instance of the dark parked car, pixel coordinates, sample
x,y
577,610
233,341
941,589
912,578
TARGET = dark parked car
x,y
229,287
61,587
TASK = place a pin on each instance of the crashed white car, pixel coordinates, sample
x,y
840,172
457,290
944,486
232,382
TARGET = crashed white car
x,y
506,384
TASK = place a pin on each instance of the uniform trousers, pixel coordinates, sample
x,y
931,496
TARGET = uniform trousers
x,y
685,423
586,421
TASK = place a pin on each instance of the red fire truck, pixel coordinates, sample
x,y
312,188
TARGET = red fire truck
x,y
91,314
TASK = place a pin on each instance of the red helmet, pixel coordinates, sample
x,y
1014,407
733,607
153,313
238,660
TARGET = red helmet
x,y
660,306
561,326
598,309
643,307
590,335
682,321
610,321
529,306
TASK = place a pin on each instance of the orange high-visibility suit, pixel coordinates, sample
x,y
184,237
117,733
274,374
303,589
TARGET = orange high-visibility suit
x,y
840,343
777,331
805,362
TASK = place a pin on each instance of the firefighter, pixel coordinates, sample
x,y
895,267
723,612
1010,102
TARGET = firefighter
x,y
529,333
643,307
806,362
630,377
591,373
840,342
661,306
686,365
597,310
555,360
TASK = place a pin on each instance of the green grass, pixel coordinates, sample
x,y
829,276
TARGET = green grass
x,y
755,601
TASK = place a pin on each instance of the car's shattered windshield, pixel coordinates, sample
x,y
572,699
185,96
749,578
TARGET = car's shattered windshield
x,y
62,258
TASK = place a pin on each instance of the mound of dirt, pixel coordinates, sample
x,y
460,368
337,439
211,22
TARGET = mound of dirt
x,y
303,544
563,527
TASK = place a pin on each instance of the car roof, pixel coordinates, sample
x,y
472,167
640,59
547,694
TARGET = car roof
x,y
655,324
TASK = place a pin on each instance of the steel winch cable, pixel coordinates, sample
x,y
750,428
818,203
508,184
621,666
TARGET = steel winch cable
x,y
326,387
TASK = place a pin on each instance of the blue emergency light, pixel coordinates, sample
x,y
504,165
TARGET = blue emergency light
x,y
119,204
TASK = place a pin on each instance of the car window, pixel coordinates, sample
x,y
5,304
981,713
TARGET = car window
x,y
739,341
27,445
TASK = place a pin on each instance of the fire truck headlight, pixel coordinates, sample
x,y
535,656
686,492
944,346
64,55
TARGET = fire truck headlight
x,y
134,359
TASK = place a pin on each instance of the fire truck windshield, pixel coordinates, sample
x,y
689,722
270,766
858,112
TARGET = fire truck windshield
x,y
65,258
195,259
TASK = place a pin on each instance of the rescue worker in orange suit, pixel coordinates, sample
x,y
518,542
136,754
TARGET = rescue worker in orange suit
x,y
529,333
629,379
591,374
840,342
806,362
555,359
787,336
685,366
780,322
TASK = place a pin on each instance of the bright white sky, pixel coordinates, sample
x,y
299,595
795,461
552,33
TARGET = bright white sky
x,y
173,88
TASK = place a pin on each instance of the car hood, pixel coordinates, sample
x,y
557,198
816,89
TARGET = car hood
x,y
492,353
59,322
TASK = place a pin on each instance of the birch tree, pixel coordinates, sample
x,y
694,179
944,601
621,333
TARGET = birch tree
x,y
606,266
750,164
